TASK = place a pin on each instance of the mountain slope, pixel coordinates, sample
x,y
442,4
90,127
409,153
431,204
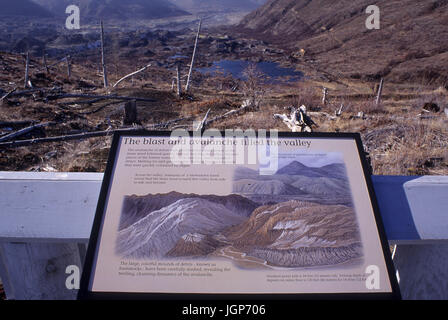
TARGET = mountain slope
x,y
298,234
217,5
193,244
116,9
137,207
24,8
325,184
412,41
156,234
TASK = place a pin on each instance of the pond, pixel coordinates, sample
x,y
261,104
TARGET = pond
x,y
236,68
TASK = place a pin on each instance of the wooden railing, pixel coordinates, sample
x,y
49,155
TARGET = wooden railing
x,y
46,219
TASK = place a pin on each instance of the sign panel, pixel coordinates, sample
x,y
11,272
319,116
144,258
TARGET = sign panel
x,y
237,214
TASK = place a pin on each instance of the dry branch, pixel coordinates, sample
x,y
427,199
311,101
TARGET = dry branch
x,y
131,74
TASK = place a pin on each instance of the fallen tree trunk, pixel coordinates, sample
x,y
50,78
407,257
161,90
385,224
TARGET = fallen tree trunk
x,y
8,94
16,123
92,96
244,107
79,136
24,131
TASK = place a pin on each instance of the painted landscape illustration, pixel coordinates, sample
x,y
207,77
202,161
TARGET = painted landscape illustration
x,y
301,216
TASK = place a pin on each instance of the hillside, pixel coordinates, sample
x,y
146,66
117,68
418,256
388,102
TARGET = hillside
x,y
158,233
197,6
116,9
24,8
327,184
412,42
299,234
138,207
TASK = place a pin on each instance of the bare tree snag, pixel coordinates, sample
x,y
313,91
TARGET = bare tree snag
x,y
380,91
201,125
338,112
103,60
69,69
187,86
324,96
131,74
44,62
130,112
27,71
179,88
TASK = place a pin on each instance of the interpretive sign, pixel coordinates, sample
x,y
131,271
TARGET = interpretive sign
x,y
236,214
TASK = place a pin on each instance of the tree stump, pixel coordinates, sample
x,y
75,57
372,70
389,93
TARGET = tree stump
x,y
130,112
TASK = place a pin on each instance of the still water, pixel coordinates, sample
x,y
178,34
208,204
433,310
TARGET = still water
x,y
236,68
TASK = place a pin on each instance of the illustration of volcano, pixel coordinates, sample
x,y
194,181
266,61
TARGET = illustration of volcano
x,y
326,185
176,216
299,234
300,217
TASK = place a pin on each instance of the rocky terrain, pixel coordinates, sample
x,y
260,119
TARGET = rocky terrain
x,y
411,43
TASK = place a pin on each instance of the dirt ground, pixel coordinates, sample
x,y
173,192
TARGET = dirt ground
x,y
401,138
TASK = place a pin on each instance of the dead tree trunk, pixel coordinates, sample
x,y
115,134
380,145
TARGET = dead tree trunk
x,y
187,86
130,112
103,61
324,96
69,69
380,91
179,88
44,62
27,71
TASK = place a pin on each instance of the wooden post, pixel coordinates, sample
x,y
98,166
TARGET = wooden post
x,y
103,61
179,88
380,91
27,70
324,97
187,86
130,112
